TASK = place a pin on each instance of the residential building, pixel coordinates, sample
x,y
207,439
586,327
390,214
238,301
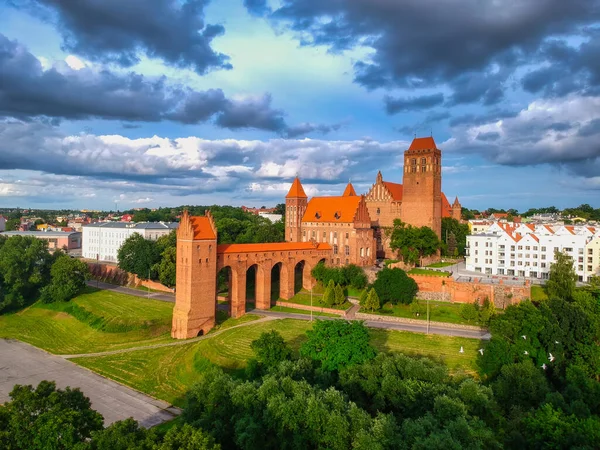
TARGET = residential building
x,y
477,226
102,240
67,241
272,217
527,250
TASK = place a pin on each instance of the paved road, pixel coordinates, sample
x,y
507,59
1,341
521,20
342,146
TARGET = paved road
x,y
163,297
473,334
24,364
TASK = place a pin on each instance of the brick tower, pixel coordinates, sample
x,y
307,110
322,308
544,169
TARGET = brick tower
x,y
295,206
456,210
422,185
196,277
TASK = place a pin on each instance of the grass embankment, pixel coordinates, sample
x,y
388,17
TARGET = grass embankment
x,y
168,372
301,311
435,273
538,293
303,298
438,312
92,322
439,265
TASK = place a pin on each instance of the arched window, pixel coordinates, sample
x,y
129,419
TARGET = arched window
x,y
413,165
423,164
362,252
347,250
378,210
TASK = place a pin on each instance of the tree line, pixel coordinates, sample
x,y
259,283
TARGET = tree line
x,y
28,272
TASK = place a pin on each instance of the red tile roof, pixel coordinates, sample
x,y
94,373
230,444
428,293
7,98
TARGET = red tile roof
x,y
425,143
272,247
446,208
395,189
331,209
349,191
202,228
296,191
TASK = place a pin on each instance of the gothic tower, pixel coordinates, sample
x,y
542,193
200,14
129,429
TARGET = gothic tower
x,y
456,210
196,277
295,205
422,185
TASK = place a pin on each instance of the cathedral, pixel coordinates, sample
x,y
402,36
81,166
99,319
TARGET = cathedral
x,y
354,225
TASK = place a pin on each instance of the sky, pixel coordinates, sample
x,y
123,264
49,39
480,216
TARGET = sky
x,y
198,102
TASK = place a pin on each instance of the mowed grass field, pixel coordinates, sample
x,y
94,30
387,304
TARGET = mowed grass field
x,y
93,322
168,372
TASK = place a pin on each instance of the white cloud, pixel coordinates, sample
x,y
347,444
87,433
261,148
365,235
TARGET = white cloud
x,y
75,63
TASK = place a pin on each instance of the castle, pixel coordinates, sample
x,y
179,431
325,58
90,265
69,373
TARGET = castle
x,y
354,225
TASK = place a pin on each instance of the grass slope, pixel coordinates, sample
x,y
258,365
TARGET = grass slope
x,y
167,373
438,312
433,273
95,321
538,293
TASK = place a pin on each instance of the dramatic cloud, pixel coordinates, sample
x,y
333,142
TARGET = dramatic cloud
x,y
396,105
119,32
29,90
563,132
40,147
471,45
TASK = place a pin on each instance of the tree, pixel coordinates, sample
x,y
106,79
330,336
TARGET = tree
x,y
24,269
453,230
451,245
280,209
139,256
362,300
47,418
372,302
416,308
270,348
12,224
562,278
486,312
68,278
340,298
468,312
520,385
393,286
329,294
337,344
167,268
413,243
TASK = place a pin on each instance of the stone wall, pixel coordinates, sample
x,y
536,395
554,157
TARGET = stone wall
x,y
338,312
110,273
381,318
448,289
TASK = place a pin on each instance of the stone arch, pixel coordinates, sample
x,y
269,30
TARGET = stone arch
x,y
303,276
261,284
225,281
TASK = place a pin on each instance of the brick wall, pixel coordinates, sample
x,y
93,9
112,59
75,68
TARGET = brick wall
x,y
110,273
501,295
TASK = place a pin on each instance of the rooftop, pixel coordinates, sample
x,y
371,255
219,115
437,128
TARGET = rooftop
x,y
424,143
331,209
296,191
272,247
40,233
140,225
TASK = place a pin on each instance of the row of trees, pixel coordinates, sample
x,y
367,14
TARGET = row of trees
x,y
29,271
349,275
412,243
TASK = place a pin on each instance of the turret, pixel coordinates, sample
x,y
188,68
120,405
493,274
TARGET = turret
x,y
295,206
456,209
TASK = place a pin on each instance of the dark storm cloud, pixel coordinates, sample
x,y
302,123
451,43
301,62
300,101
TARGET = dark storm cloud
x,y
257,7
396,105
491,136
60,92
120,31
417,45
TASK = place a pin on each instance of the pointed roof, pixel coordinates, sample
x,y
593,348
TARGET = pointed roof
x,y
395,189
424,143
446,208
197,228
296,191
456,202
349,191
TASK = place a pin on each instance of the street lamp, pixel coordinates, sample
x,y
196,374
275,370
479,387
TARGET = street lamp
x,y
427,315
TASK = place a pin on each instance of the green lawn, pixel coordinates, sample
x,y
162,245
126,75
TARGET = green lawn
x,y
95,321
435,273
301,311
168,372
438,312
303,298
538,293
439,265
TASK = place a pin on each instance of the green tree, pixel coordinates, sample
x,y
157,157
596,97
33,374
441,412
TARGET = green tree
x,y
562,278
468,312
167,268
187,438
340,298
362,300
520,385
416,308
453,230
372,302
337,344
393,286
24,269
451,247
486,312
68,278
139,256
329,294
12,224
270,348
47,418
413,243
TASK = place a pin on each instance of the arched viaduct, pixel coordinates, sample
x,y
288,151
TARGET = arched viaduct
x,y
200,260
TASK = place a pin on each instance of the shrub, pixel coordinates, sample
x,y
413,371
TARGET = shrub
x,y
393,286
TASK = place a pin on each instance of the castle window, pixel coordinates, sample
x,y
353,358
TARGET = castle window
x,y
378,210
318,215
347,235
335,234
335,249
413,165
304,233
423,164
347,250
362,252
337,215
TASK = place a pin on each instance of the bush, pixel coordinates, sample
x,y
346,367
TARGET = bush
x,y
350,275
372,302
393,286
270,348
416,308
329,294
363,297
468,312
340,298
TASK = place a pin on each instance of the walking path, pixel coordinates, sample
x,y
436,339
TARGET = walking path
x,y
24,364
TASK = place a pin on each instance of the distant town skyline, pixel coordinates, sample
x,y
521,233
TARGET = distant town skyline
x,y
191,102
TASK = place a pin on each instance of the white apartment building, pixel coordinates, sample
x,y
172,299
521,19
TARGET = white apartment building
x,y
102,240
527,250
